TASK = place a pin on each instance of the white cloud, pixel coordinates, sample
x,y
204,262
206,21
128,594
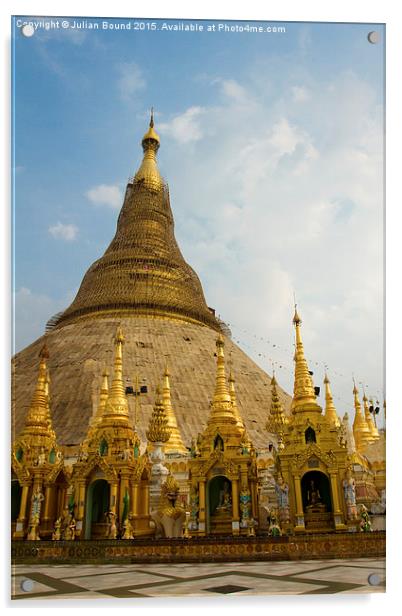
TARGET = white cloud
x,y
232,89
185,127
63,232
106,194
130,80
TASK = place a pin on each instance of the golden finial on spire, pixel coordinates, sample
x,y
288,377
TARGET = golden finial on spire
x,y
330,410
38,421
221,390
151,134
158,429
117,403
361,430
296,319
119,338
175,443
303,391
368,417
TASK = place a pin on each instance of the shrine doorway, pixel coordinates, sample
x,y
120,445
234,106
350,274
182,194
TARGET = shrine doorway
x,y
219,505
317,504
97,505
316,490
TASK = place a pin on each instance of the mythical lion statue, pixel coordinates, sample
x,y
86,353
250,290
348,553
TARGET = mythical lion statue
x,y
169,517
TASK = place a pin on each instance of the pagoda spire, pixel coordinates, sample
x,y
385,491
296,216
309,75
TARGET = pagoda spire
x,y
38,421
221,407
303,390
330,410
369,419
348,435
148,173
276,418
361,430
116,404
158,428
232,393
175,443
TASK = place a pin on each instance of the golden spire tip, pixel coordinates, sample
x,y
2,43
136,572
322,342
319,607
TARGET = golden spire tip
x,y
151,122
119,335
296,319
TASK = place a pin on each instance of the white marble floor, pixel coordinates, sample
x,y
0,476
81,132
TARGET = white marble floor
x,y
360,575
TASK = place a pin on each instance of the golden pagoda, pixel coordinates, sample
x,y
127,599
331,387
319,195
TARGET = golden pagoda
x,y
313,461
39,480
110,477
223,473
143,283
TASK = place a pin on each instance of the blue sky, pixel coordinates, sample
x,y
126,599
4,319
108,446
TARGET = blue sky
x,y
272,147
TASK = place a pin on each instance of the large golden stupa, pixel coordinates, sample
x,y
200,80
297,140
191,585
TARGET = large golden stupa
x,y
143,284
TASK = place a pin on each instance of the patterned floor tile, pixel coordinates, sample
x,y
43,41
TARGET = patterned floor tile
x,y
195,580
339,573
99,580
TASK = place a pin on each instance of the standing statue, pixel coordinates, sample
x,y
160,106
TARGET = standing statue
x,y
251,527
282,495
245,506
112,525
349,490
365,524
69,530
56,535
37,499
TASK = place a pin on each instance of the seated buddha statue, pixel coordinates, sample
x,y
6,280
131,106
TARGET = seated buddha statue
x,y
225,499
314,501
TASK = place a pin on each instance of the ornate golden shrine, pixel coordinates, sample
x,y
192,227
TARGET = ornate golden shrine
x,y
39,479
223,471
312,462
110,466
